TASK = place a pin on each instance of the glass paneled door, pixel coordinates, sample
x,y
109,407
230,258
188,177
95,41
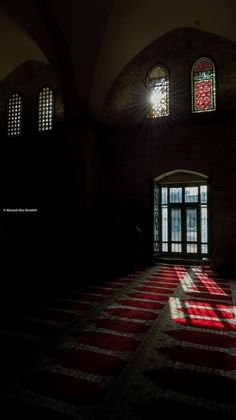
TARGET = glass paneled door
x,y
183,221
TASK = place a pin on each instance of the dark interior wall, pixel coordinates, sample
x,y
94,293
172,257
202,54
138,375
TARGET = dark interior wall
x,y
31,178
143,149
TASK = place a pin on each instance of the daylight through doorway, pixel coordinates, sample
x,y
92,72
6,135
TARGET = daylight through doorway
x,y
180,220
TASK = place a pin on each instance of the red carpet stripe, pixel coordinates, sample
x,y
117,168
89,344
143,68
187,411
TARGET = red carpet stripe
x,y
213,312
210,284
206,303
89,361
148,296
131,313
205,323
197,384
160,283
200,357
209,339
169,279
108,341
121,326
210,301
209,289
65,388
143,304
202,277
151,289
219,297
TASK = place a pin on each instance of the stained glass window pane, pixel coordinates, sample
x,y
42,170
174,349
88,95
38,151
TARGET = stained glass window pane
x,y
204,249
45,109
191,225
203,193
176,231
164,247
14,115
164,224
203,86
176,248
176,195
164,195
191,194
158,92
191,248
204,224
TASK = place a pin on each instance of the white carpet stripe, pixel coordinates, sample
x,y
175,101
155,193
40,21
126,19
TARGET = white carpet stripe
x,y
150,293
137,336
123,318
208,318
196,306
44,321
143,299
118,305
231,334
210,299
124,355
155,287
67,311
51,403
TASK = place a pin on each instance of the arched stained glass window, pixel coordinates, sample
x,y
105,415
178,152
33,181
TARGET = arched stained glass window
x,y
46,109
158,92
203,86
14,115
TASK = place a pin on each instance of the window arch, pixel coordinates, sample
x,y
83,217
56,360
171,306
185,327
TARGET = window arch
x,y
46,101
158,92
14,115
203,86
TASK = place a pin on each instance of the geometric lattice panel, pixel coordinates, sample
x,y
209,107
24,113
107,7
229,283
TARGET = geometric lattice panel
x,y
46,109
14,115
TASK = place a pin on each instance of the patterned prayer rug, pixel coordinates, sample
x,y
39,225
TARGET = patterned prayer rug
x,y
186,365
160,340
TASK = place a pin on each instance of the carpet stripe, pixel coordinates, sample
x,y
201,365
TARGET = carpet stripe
x,y
204,338
148,296
199,357
143,303
204,323
66,388
120,325
109,341
88,361
131,313
213,313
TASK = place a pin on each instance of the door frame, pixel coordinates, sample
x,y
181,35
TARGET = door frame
x,y
178,178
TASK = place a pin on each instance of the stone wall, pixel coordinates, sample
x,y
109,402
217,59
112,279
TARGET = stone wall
x,y
143,149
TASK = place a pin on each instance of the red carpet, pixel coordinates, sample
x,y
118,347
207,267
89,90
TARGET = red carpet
x,y
121,326
108,341
178,324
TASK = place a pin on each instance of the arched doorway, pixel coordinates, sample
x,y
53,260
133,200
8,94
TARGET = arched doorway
x,y
180,215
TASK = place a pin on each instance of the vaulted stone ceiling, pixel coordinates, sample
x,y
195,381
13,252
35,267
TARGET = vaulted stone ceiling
x,y
89,43
16,45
